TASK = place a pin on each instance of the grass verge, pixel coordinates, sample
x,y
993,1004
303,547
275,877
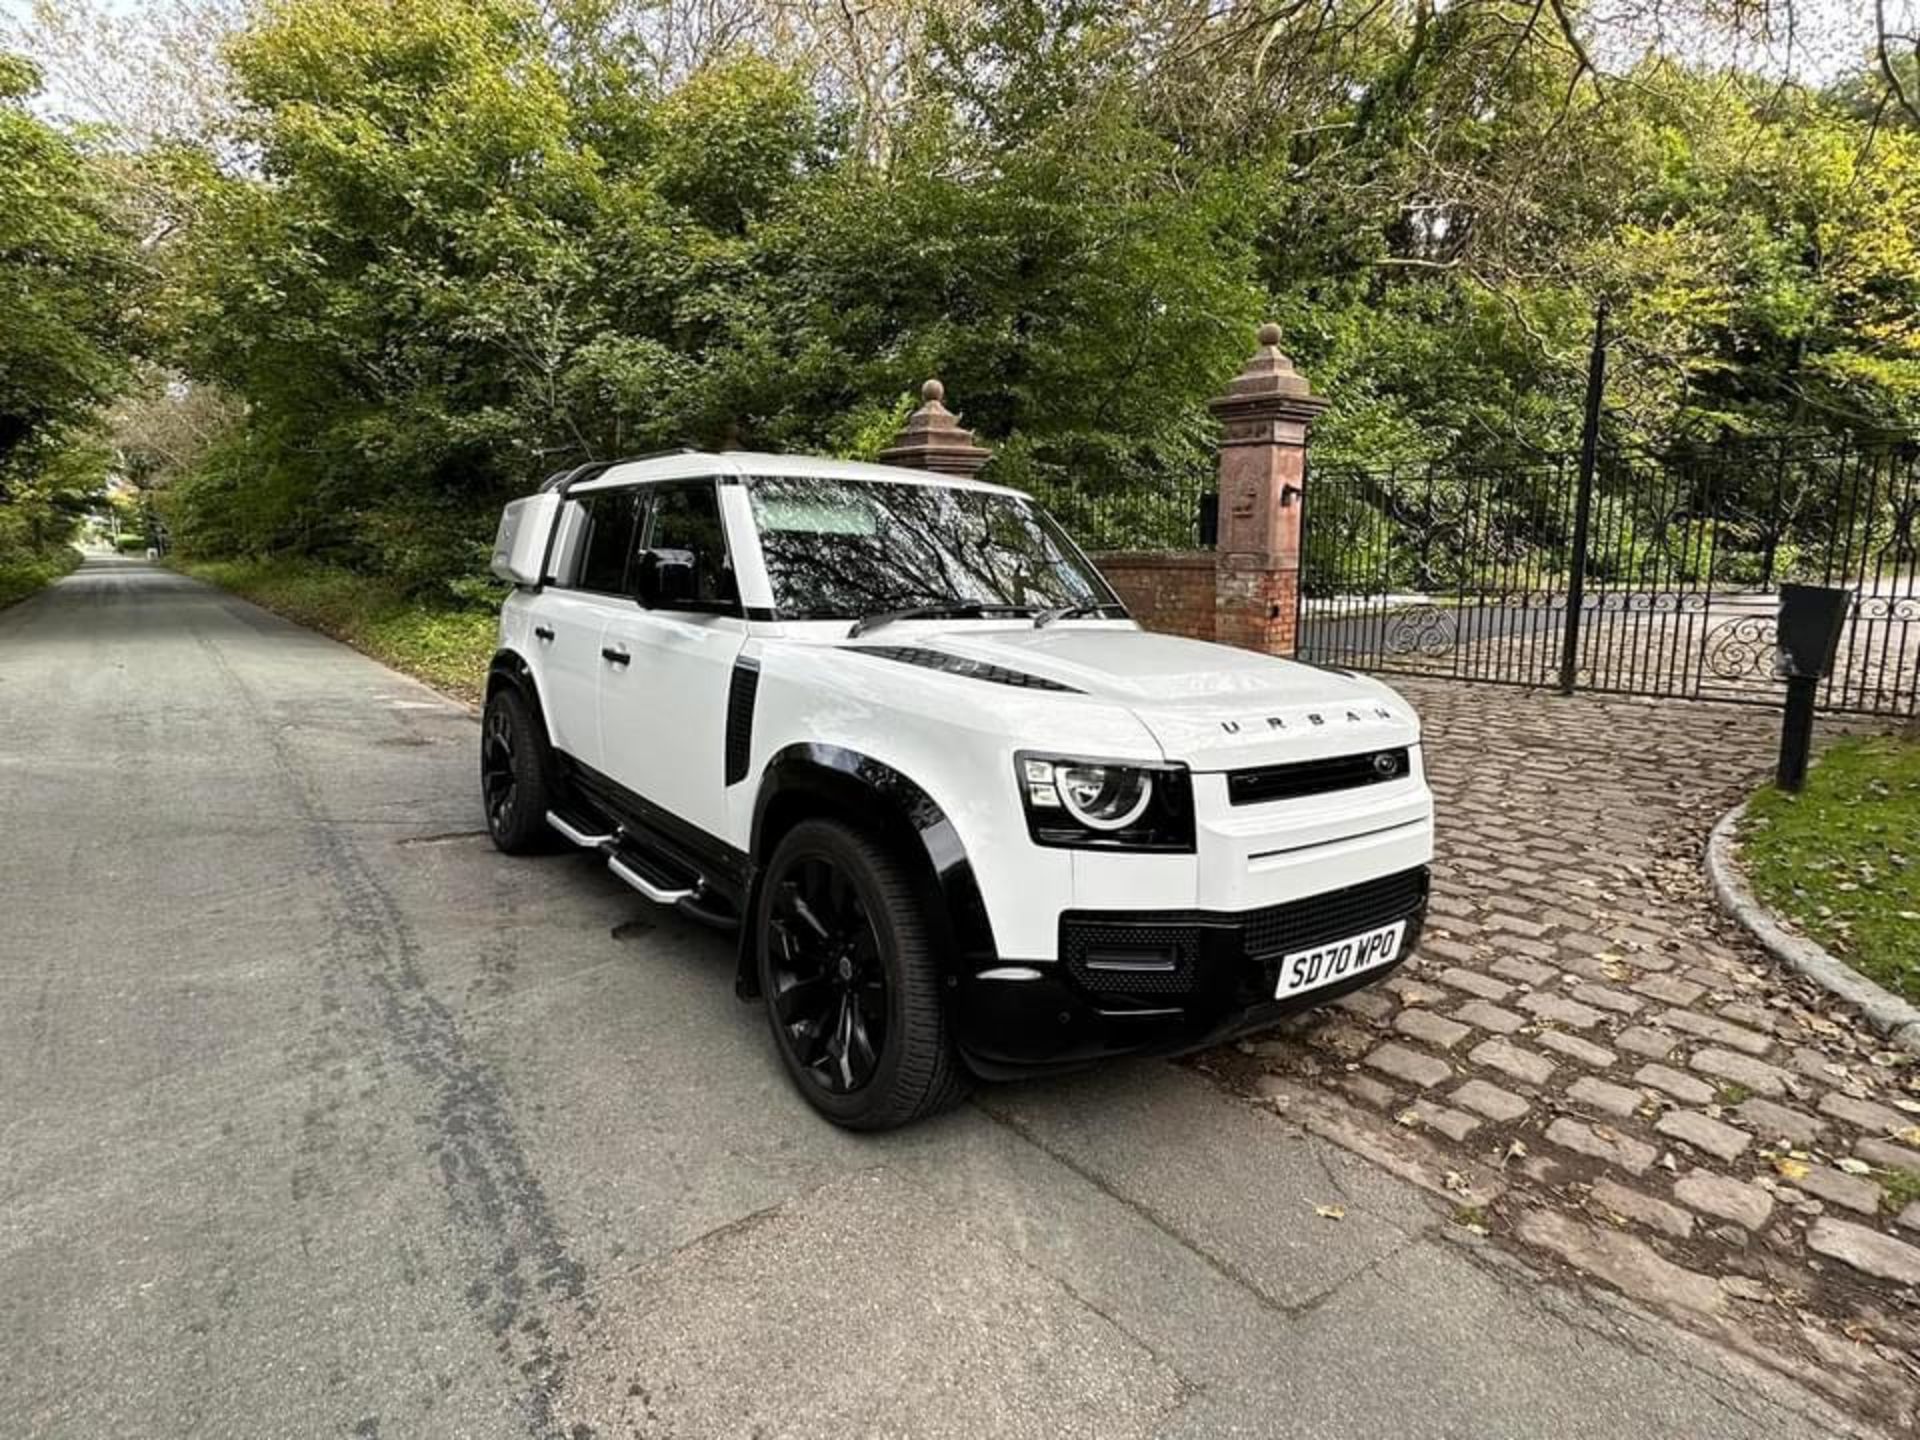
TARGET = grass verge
x,y
23,572
1842,858
447,647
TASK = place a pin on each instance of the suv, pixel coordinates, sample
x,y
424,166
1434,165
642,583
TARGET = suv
x,y
966,817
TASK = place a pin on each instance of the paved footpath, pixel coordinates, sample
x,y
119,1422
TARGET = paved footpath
x,y
320,1118
1598,1065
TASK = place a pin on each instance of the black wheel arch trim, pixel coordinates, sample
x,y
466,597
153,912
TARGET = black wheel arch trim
x,y
510,667
848,784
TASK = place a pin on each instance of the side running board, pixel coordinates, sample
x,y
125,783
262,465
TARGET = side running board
x,y
653,890
660,887
575,833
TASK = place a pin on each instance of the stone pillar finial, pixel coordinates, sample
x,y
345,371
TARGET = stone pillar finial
x,y
1267,414
933,439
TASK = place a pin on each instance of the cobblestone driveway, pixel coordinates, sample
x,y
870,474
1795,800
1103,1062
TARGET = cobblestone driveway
x,y
1607,1068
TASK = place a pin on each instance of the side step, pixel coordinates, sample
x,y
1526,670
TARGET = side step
x,y
654,890
570,831
652,878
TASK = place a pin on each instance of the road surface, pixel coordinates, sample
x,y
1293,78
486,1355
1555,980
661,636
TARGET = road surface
x,y
319,1118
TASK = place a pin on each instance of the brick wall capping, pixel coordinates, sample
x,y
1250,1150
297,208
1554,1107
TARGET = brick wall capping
x,y
1156,559
933,439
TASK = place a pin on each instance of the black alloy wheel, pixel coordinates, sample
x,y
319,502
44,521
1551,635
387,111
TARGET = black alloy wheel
x,y
499,788
851,980
516,769
829,988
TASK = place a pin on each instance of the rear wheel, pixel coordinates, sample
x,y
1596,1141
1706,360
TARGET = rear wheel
x,y
852,989
516,774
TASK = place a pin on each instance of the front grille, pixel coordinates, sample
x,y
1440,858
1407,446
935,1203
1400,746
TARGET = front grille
x,y
1316,777
1130,959
1334,914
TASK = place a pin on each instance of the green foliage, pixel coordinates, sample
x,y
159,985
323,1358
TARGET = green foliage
x,y
68,278
469,242
23,572
1841,858
447,646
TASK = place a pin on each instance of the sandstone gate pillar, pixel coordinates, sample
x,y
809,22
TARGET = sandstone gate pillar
x,y
933,439
1267,415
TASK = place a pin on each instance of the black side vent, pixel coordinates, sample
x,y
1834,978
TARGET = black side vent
x,y
740,697
961,666
1316,777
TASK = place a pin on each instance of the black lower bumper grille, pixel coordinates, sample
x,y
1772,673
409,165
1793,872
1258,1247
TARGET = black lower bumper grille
x,y
1180,952
1335,914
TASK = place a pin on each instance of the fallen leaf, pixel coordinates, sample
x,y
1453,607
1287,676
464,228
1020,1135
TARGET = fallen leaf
x,y
1853,1166
1406,1117
1456,1181
1331,1212
1791,1169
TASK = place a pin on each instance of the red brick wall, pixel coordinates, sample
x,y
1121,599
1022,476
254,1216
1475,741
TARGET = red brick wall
x,y
1171,591
1257,604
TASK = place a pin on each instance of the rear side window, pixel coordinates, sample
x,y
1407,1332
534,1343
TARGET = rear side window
x,y
609,540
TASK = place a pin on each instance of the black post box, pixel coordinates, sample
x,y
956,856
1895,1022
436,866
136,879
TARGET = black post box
x,y
1809,629
1808,636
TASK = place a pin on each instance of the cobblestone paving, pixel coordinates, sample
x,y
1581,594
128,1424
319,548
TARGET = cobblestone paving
x,y
1581,1033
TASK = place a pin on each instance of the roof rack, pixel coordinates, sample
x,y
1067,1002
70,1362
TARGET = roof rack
x,y
565,480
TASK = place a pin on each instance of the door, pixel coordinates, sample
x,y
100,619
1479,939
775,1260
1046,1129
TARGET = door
x,y
571,615
663,707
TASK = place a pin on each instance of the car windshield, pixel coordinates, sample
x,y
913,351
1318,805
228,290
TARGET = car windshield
x,y
843,549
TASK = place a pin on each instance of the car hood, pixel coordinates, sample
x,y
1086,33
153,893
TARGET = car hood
x,y
1213,706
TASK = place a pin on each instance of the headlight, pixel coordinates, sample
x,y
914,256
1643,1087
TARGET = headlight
x,y
1105,804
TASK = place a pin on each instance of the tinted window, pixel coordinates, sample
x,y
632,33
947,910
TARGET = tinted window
x,y
837,548
685,529
603,560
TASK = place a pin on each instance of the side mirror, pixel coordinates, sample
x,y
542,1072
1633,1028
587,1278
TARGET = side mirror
x,y
1811,618
666,578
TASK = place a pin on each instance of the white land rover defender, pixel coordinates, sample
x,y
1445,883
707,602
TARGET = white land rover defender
x,y
966,816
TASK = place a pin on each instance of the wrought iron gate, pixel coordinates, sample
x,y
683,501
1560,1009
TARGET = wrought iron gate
x,y
1474,574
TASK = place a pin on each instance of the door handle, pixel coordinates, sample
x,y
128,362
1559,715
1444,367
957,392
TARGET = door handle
x,y
613,656
543,632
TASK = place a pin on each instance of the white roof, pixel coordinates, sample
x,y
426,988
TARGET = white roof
x,y
748,463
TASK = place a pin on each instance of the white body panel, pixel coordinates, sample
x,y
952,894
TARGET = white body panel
x,y
663,715
657,727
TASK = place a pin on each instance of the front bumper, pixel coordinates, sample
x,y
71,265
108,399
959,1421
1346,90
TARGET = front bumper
x,y
1217,978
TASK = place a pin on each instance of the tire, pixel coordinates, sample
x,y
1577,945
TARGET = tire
x,y
820,993
517,785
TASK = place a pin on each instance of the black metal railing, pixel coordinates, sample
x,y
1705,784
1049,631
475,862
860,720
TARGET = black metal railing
x,y
1474,573
1162,515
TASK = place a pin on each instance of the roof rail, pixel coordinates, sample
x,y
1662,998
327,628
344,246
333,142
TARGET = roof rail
x,y
565,480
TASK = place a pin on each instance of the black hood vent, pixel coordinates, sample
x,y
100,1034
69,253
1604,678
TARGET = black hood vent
x,y
961,666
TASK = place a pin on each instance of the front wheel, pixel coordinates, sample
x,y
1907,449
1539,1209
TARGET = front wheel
x,y
852,989
516,774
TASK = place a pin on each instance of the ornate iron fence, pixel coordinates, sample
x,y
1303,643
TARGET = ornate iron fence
x,y
1166,516
1476,573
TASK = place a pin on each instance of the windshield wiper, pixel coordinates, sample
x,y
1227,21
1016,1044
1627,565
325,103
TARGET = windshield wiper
x,y
1072,612
945,610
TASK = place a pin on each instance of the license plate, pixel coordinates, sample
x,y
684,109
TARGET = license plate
x,y
1338,960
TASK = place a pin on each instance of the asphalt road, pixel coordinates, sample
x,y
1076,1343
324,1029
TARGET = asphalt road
x,y
319,1118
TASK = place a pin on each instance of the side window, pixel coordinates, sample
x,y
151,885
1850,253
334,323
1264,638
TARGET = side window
x,y
683,561
603,555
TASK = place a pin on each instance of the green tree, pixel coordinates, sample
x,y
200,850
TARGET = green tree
x,y
67,268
